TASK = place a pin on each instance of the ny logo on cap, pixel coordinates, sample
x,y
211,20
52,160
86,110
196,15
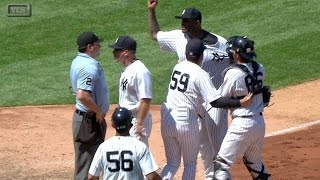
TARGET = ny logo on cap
x,y
116,40
183,11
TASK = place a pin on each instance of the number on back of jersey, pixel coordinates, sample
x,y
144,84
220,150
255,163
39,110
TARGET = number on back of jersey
x,y
120,161
179,81
253,83
253,80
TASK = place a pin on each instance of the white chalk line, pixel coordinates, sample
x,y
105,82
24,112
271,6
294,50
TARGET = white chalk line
x,y
288,130
293,129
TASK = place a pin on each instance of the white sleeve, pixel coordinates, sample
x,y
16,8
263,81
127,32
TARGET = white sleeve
x,y
87,77
147,162
231,84
167,40
208,92
144,85
96,164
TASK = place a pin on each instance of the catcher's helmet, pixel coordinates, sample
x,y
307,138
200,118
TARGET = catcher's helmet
x,y
121,118
242,45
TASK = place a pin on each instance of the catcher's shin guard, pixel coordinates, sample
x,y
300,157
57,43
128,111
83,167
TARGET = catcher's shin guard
x,y
220,167
261,174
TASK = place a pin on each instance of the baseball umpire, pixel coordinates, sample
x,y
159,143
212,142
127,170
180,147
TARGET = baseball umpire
x,y
92,102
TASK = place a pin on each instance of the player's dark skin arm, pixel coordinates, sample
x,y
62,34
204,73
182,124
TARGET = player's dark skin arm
x,y
224,102
91,177
153,176
153,23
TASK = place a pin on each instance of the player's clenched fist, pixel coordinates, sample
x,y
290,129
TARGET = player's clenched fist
x,y
152,4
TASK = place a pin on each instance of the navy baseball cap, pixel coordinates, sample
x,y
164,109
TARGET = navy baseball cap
x,y
124,42
86,38
194,48
121,117
190,13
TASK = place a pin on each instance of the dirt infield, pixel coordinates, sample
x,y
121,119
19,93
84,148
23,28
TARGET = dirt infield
x,y
36,142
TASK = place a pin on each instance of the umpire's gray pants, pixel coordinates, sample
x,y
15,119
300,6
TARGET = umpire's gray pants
x,y
84,153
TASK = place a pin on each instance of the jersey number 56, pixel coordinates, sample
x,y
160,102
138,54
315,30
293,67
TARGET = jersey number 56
x,y
123,162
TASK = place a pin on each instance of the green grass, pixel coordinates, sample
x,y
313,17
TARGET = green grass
x,y
36,51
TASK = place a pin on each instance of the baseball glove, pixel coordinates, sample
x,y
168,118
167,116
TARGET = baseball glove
x,y
266,95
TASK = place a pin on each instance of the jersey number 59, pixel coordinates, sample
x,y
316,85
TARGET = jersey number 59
x,y
179,81
123,162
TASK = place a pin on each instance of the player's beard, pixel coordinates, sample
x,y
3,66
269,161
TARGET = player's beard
x,y
188,29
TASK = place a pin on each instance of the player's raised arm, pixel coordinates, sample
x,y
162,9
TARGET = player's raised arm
x,y
153,23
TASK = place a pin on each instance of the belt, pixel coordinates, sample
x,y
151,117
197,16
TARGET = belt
x,y
80,112
249,115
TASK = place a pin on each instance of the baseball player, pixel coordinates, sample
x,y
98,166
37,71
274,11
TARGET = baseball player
x,y
245,135
135,87
214,121
189,87
123,156
92,102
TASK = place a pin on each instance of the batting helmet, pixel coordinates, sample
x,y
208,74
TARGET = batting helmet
x,y
121,118
242,45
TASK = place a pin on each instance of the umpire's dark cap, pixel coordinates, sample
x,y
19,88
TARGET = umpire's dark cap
x,y
124,42
190,13
242,45
86,38
122,118
194,49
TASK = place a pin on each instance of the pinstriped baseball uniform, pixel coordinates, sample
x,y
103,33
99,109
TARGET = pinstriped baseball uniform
x,y
189,87
123,157
136,83
214,122
245,135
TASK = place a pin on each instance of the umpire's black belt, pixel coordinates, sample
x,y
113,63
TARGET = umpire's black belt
x,y
80,112
247,116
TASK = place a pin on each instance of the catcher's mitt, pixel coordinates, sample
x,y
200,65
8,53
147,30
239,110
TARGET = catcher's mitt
x,y
266,95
